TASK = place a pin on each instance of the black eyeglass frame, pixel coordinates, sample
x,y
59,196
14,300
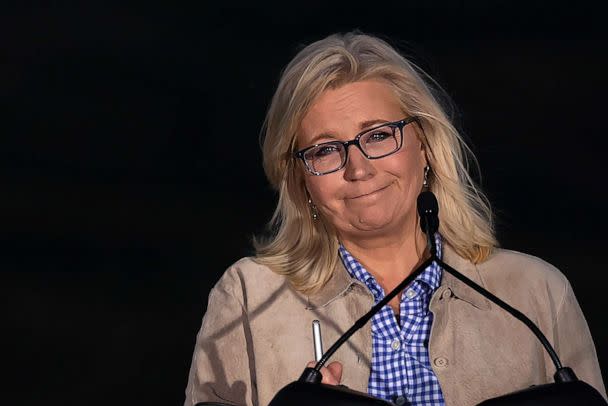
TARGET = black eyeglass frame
x,y
355,141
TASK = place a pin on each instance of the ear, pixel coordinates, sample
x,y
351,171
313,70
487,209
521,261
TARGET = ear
x,y
424,157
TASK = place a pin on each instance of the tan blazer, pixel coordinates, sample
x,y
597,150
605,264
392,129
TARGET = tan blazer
x,y
256,336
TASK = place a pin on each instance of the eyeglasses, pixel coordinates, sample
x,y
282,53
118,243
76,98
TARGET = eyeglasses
x,y
377,142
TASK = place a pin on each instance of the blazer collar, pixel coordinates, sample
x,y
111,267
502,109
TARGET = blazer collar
x,y
341,282
458,288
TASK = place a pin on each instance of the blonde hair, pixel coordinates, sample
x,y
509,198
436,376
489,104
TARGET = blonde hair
x,y
305,250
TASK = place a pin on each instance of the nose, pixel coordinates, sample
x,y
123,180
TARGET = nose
x,y
358,167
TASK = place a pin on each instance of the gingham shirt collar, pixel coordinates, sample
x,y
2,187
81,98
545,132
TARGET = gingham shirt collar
x,y
430,277
342,280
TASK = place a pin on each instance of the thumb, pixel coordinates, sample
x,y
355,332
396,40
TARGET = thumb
x,y
336,370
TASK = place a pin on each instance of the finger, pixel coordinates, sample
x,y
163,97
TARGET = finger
x,y
335,369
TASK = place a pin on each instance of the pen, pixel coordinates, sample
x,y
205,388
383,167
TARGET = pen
x,y
316,336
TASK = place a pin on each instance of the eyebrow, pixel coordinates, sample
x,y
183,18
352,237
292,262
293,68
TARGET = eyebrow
x,y
362,126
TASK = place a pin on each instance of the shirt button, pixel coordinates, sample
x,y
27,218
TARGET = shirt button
x,y
396,344
410,293
400,400
440,362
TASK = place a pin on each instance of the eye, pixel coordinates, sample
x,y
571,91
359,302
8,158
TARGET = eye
x,y
379,136
324,150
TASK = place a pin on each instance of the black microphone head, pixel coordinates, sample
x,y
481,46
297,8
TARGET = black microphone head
x,y
428,210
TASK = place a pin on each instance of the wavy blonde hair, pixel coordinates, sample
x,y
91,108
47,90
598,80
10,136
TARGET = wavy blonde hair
x,y
306,251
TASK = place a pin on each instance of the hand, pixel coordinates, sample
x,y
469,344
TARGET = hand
x,y
332,374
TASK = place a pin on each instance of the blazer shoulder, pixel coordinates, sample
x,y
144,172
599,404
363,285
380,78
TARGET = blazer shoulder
x,y
509,265
248,269
248,275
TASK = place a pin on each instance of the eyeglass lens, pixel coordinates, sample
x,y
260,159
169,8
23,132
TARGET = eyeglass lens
x,y
331,156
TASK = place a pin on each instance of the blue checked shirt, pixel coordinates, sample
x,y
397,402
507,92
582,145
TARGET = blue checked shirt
x,y
401,368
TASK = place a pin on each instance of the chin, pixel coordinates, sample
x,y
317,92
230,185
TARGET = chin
x,y
372,223
379,221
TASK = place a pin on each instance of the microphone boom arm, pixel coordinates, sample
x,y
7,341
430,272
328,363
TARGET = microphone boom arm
x,y
367,316
568,389
511,310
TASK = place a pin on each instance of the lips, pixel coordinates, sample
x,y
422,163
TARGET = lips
x,y
370,193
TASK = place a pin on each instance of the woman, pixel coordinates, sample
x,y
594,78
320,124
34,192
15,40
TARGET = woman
x,y
353,135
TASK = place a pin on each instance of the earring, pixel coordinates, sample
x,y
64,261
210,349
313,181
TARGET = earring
x,y
313,209
425,182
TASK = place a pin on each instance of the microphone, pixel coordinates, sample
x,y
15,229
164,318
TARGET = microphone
x,y
567,389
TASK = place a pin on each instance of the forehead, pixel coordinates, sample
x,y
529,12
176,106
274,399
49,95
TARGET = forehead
x,y
344,109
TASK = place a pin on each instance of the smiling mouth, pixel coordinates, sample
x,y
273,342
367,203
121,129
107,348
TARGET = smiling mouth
x,y
371,193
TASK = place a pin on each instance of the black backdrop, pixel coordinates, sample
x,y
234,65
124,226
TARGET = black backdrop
x,y
131,173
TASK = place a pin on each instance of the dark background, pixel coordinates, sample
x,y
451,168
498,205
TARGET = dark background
x,y
131,173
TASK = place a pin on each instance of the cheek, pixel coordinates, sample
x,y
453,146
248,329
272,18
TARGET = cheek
x,y
323,189
314,185
408,167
